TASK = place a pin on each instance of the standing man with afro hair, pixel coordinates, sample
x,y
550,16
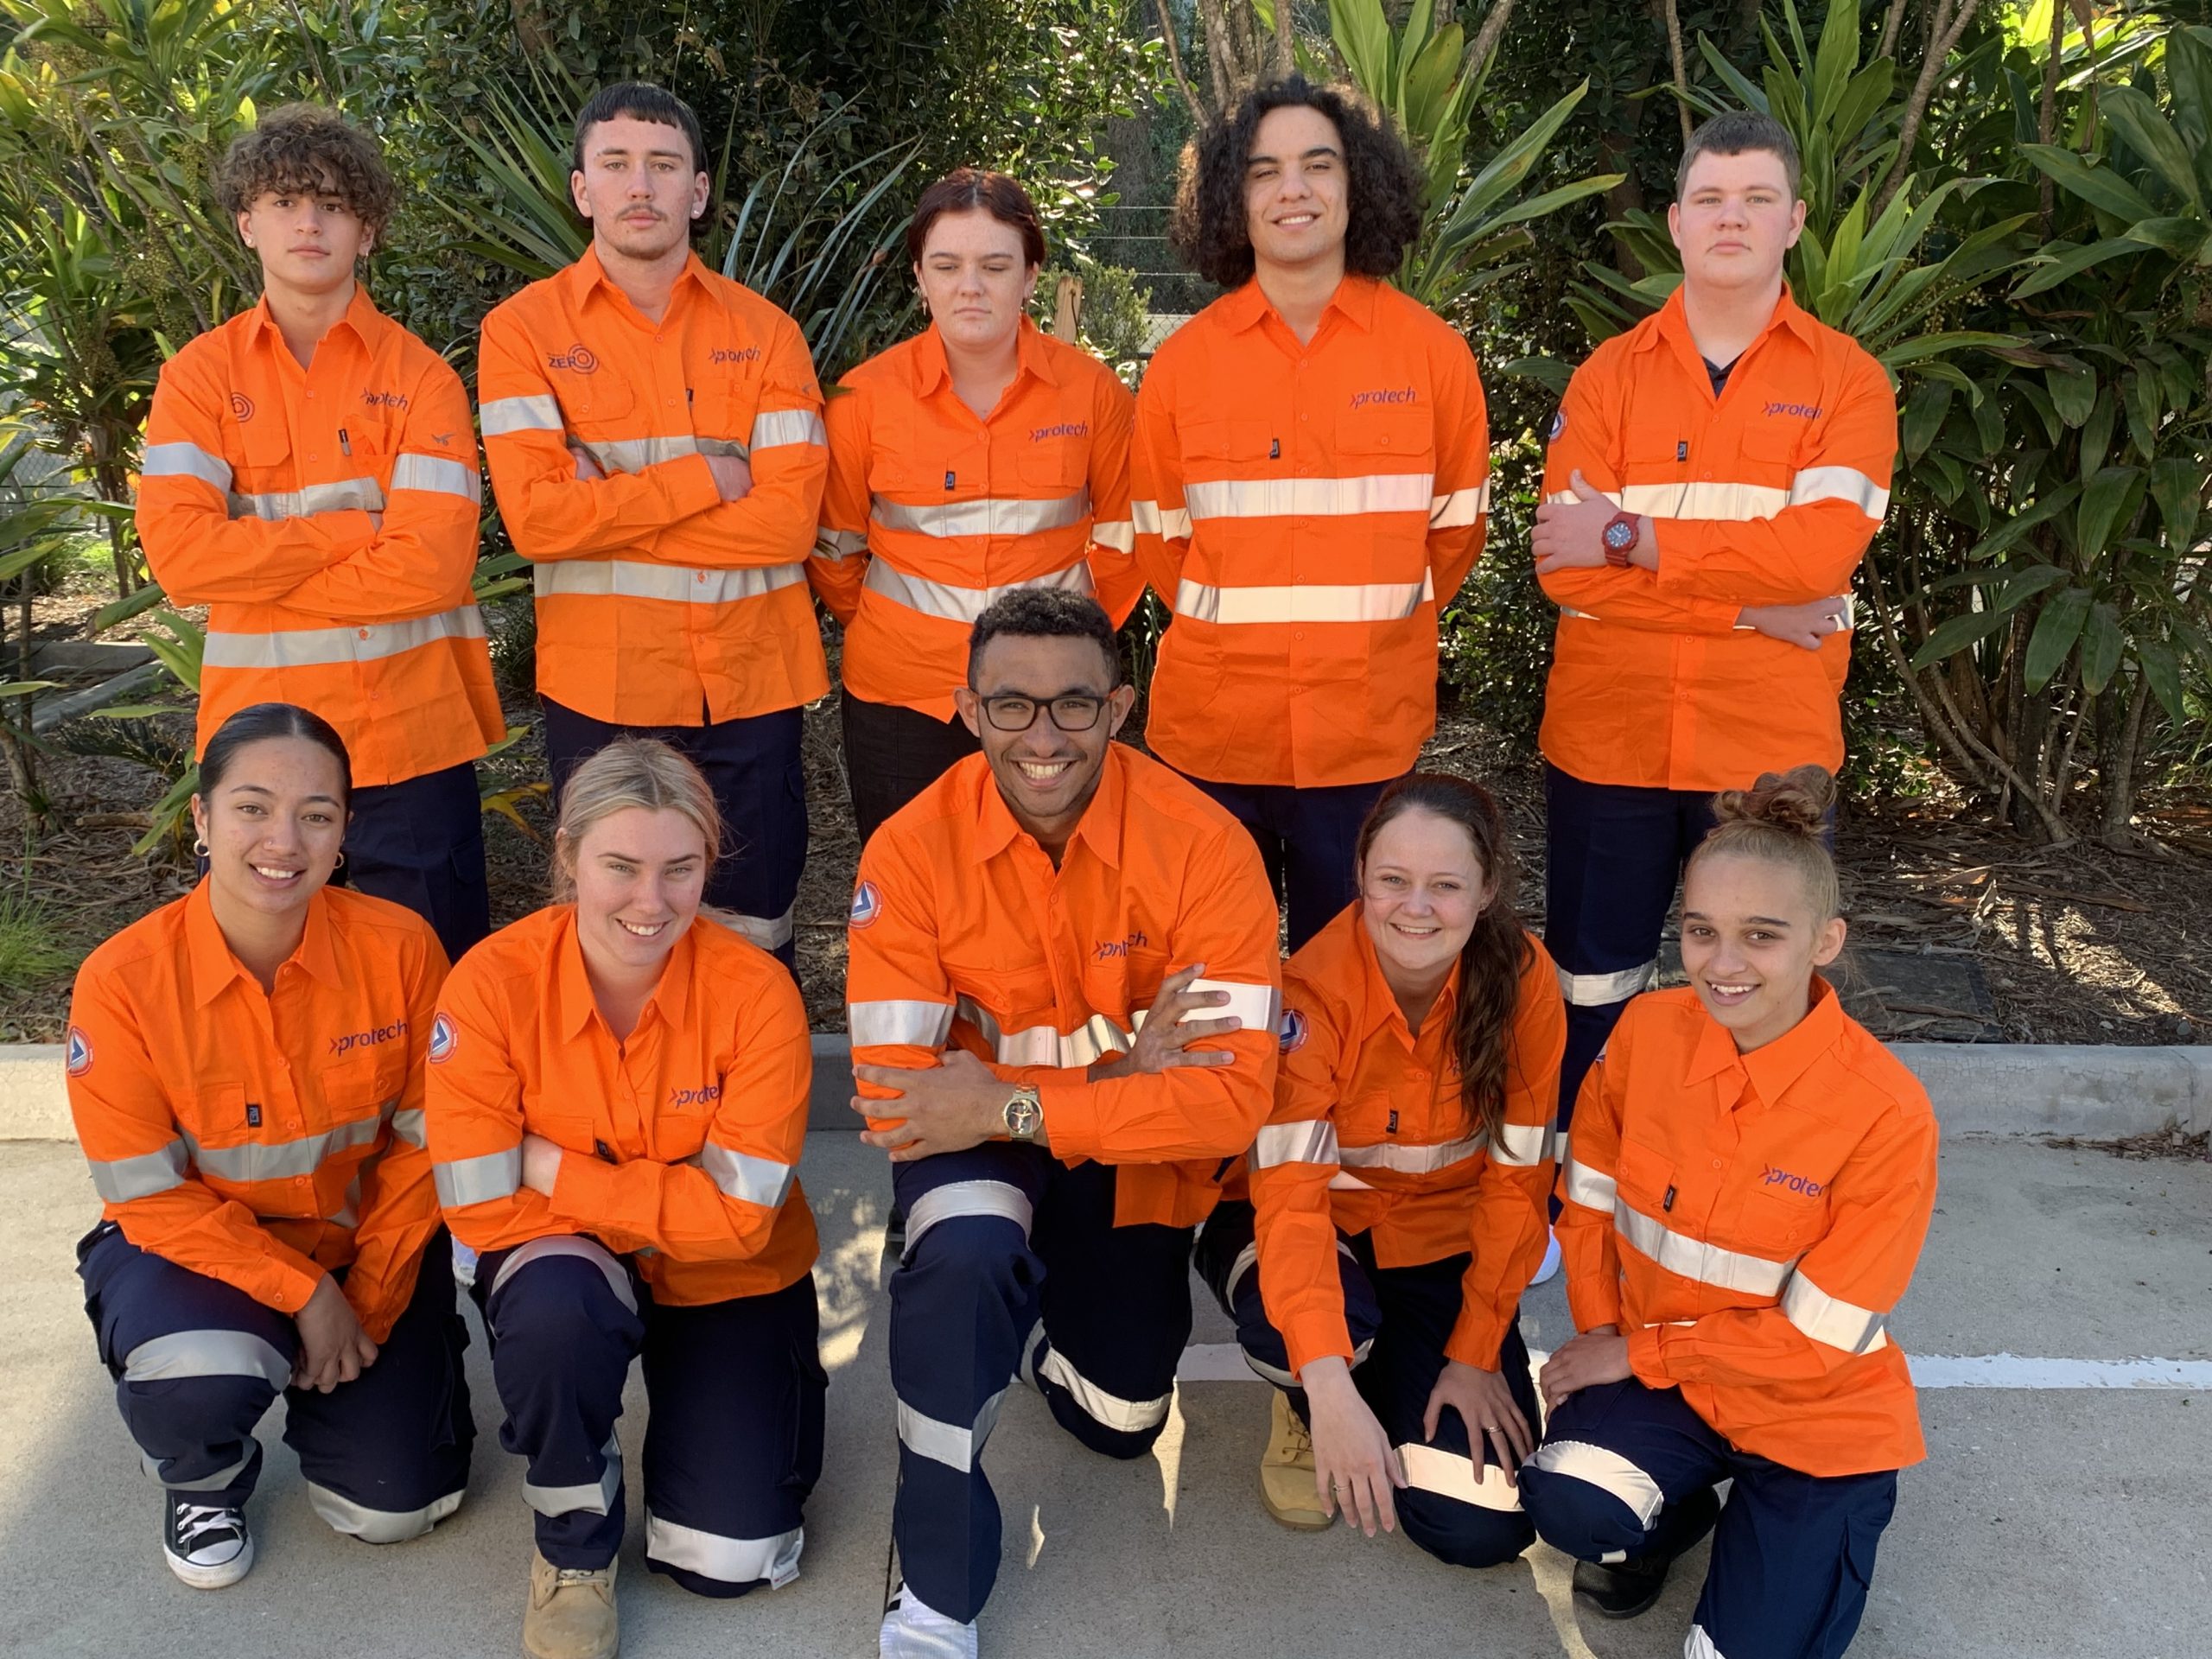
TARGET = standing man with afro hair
x,y
1308,483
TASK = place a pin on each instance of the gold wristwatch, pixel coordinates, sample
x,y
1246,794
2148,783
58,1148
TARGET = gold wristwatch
x,y
1024,1117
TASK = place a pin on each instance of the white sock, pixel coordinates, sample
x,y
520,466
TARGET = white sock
x,y
914,1629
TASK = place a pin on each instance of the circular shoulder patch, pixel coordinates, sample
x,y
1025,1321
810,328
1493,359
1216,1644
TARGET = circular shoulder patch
x,y
443,1040
868,905
1559,424
80,1052
1293,1036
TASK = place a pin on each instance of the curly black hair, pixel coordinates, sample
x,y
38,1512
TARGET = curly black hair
x,y
310,150
1208,229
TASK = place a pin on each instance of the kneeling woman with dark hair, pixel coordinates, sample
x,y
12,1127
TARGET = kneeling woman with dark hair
x,y
1400,1190
1750,1186
617,1103
246,1071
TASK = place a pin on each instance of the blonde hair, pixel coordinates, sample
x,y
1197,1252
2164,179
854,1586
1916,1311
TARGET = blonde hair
x,y
1782,819
640,772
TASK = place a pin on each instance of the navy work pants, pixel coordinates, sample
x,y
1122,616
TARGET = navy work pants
x,y
1306,838
196,1362
1455,1504
420,843
735,1389
1793,1554
893,753
1014,1264
753,767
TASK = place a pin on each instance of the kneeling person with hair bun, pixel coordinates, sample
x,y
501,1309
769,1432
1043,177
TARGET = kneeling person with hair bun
x,y
617,1104
1749,1189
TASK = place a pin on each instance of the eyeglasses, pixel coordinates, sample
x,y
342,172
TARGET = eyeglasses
x,y
1070,714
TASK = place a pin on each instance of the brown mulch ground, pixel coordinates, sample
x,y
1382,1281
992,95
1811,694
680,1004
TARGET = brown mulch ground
x,y
1960,930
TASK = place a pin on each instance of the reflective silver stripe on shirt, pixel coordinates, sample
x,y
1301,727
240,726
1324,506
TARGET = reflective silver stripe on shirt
x,y
923,1025
1413,1160
378,1526
1831,1319
368,642
948,1443
1692,1258
635,454
767,932
1369,602
773,427
1150,518
1840,484
1093,1040
588,1496
538,413
986,516
348,1213
565,1245
1458,1477
1310,1142
745,1178
839,544
958,604
185,461
119,1180
408,1126
1524,1144
1310,497
478,1180
439,475
725,1561
999,1199
678,584
341,495
1713,502
1460,508
1603,990
1592,1189
283,1160
1119,534
206,1353
1126,1416
1608,1471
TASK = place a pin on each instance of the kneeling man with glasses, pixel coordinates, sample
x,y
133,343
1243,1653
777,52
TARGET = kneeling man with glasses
x,y
1063,992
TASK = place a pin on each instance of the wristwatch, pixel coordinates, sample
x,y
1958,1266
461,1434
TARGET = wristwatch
x,y
1623,531
1024,1117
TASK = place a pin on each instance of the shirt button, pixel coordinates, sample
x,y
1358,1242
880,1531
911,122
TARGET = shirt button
x,y
1717,1164
311,457
364,632
1305,363
1306,418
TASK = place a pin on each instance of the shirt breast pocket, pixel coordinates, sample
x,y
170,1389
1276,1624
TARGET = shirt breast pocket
x,y
1238,442
1779,1219
1644,1178
1386,441
1056,467
599,407
721,413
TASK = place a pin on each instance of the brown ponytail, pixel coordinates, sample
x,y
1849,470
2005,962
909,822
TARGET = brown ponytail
x,y
1783,819
1496,954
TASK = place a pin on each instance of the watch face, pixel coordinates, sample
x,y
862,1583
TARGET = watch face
x,y
1619,535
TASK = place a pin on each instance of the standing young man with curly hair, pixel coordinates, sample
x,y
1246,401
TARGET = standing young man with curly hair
x,y
1308,483
310,477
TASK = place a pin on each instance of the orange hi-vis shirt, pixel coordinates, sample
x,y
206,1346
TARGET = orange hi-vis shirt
x,y
1768,495
259,496
930,514
963,934
1748,1221
680,1143
264,1138
1306,511
1369,1134
658,603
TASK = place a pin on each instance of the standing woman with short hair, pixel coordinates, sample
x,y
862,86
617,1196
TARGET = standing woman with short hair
x,y
979,456
1748,1191
245,1074
617,1103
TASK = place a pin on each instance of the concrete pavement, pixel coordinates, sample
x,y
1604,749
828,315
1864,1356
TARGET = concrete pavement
x,y
2047,1521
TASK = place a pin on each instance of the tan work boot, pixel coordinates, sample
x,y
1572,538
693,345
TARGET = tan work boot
x,y
1286,1471
571,1613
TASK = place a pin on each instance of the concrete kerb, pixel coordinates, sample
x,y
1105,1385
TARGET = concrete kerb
x,y
2100,1092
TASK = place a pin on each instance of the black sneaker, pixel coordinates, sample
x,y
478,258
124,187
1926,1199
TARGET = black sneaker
x,y
207,1544
1624,1589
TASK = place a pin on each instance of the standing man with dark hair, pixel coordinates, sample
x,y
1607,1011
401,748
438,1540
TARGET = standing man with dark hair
x,y
1714,476
310,477
1309,478
655,437
1063,994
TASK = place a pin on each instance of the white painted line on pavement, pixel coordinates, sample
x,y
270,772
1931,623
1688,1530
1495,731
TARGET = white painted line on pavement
x,y
1224,1361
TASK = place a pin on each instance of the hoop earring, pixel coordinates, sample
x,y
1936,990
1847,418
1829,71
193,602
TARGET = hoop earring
x,y
199,847
340,864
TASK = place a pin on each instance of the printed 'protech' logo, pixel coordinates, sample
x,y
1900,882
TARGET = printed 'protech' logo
x,y
1386,395
1805,411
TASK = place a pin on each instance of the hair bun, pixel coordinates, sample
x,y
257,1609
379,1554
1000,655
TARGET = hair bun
x,y
1797,802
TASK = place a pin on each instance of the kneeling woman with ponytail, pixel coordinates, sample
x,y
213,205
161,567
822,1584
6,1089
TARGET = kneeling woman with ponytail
x,y
1748,1186
1398,1190
618,1091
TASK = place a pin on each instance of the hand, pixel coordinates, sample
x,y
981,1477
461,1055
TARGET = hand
x,y
1486,1405
1806,625
333,1348
1163,1038
541,1164
1571,534
1352,1460
949,1107
1595,1356
733,476
588,468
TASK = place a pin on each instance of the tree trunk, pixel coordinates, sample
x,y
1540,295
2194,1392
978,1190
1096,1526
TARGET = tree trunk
x,y
1175,63
1939,46
1673,18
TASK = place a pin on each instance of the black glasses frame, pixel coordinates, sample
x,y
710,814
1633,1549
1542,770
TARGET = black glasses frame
x,y
999,711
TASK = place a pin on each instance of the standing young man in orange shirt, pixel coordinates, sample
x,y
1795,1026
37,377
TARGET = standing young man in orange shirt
x,y
655,437
1308,483
1713,478
310,477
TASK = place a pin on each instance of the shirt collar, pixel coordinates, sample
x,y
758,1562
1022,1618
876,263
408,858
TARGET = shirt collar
x,y
1099,828
574,1005
1383,1008
1355,300
1031,358
1674,324
588,275
1773,1067
214,966
361,317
